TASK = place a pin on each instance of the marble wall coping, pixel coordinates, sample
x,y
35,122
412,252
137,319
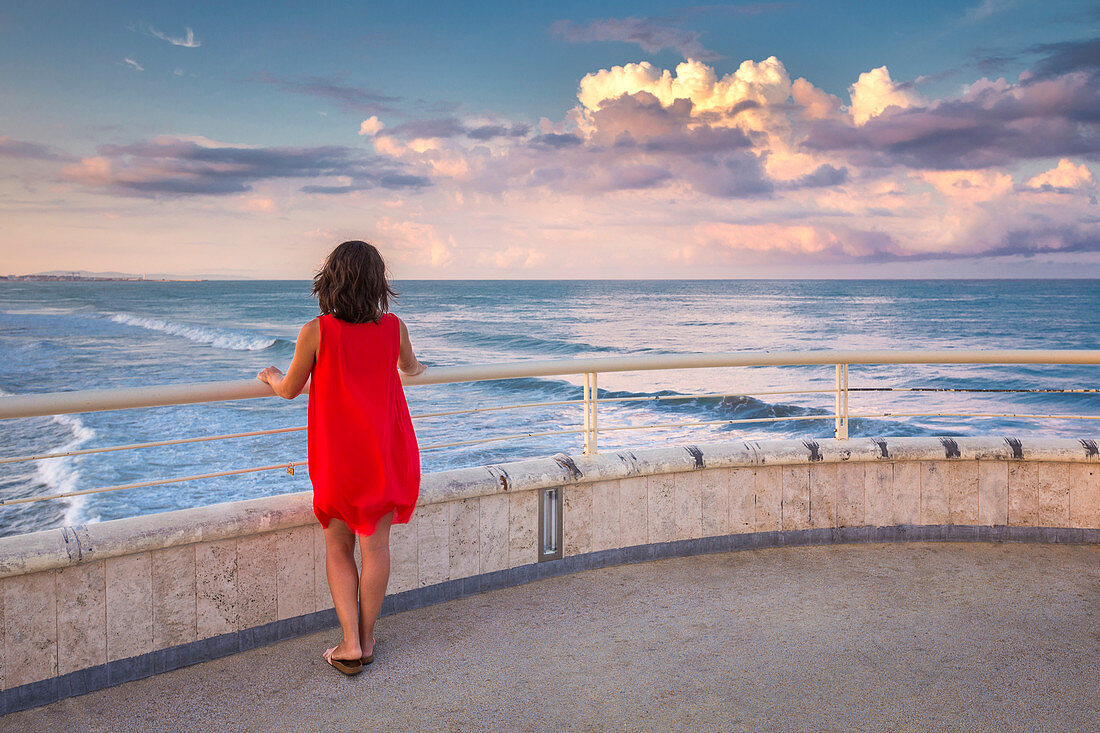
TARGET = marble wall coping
x,y
66,546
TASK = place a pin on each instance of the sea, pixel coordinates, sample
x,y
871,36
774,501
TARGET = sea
x,y
62,336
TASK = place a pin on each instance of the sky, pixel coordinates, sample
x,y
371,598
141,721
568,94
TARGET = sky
x,y
553,140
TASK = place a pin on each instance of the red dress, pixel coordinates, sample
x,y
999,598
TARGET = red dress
x,y
363,456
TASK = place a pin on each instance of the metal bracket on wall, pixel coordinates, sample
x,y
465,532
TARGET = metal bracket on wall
x,y
550,524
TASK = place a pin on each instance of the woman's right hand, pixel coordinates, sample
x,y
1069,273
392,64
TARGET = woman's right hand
x,y
269,375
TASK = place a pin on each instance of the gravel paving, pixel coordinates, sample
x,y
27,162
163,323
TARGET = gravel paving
x,y
890,637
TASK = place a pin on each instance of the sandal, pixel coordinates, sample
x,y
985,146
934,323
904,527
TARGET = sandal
x,y
347,666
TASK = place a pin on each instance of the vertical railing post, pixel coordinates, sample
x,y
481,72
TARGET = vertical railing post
x,y
841,432
594,422
590,419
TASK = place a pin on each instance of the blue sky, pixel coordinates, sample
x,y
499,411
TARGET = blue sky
x,y
88,83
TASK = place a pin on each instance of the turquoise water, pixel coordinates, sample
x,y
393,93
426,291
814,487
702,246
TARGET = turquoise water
x,y
66,336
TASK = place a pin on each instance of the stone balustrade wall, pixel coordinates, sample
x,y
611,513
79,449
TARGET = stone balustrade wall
x,y
85,607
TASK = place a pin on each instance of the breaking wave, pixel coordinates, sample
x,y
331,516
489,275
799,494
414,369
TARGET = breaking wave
x,y
219,339
63,474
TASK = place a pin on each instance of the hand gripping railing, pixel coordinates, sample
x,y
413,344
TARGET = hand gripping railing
x,y
30,405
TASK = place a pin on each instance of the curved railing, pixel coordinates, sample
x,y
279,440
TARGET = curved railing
x,y
30,405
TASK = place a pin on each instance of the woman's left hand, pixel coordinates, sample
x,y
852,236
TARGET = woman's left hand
x,y
269,375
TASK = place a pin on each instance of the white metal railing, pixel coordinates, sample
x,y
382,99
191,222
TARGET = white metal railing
x,y
32,405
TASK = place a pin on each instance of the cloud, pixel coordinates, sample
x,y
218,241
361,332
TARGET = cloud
x,y
353,98
636,128
1064,176
1066,57
1044,239
30,151
417,242
765,83
371,126
448,127
133,64
651,34
1056,59
176,166
986,9
491,131
512,257
825,175
688,170
993,123
557,140
717,241
875,92
818,104
258,205
442,127
187,40
970,186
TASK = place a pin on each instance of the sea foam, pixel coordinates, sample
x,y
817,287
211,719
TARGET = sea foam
x,y
232,340
61,475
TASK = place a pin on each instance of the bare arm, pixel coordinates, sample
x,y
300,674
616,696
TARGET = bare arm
x,y
296,379
406,358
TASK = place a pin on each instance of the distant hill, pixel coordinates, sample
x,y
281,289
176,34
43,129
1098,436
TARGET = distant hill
x,y
88,273
78,275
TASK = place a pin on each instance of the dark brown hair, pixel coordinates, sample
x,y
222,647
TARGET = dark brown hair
x,y
352,284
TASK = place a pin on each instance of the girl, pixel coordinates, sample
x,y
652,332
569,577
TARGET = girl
x,y
364,462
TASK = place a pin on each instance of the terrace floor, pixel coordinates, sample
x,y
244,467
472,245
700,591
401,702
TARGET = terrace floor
x,y
899,637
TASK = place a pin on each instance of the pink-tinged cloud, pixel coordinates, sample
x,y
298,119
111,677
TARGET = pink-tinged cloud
x,y
718,242
177,166
1064,176
416,243
371,126
875,92
28,150
991,124
653,169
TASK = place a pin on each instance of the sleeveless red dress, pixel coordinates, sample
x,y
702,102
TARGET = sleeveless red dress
x,y
363,456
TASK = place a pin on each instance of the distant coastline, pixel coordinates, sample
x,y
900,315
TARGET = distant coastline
x,y
85,276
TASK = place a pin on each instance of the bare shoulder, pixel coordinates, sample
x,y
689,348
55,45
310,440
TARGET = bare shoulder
x,y
400,323
311,332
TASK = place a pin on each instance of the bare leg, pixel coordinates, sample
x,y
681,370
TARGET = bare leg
x,y
372,583
343,582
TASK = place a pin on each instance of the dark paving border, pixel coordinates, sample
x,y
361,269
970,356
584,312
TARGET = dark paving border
x,y
165,660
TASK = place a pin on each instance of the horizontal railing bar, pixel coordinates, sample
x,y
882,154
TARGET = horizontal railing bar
x,y
1023,416
184,441
58,403
971,389
157,444
143,484
611,428
501,437
654,398
669,398
831,417
477,373
497,407
601,400
717,422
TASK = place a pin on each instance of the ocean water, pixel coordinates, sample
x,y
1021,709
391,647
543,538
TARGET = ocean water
x,y
68,336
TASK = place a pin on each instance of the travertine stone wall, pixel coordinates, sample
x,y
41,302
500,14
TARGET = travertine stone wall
x,y
84,607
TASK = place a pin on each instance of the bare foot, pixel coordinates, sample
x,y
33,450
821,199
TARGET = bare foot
x,y
368,649
344,652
